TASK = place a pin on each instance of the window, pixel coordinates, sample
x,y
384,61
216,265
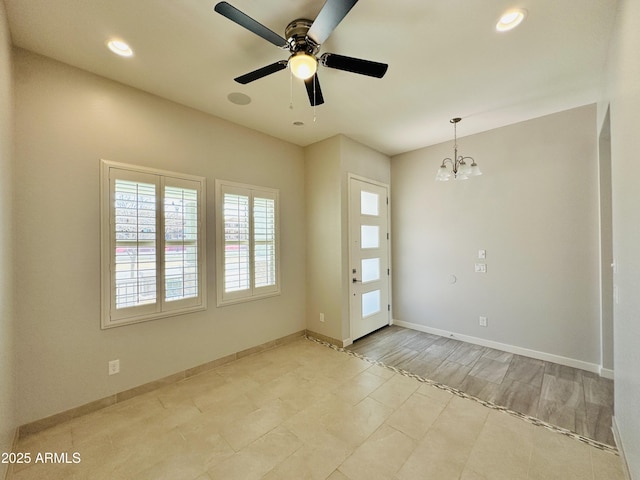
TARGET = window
x,y
153,237
248,242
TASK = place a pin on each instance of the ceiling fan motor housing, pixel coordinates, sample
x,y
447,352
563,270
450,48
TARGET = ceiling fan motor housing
x,y
296,35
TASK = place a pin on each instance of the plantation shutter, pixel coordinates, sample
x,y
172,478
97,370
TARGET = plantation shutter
x,y
236,242
182,271
264,237
248,242
133,244
153,244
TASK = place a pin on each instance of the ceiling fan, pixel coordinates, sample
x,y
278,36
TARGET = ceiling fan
x,y
303,40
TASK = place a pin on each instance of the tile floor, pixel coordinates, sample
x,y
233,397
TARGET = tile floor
x,y
307,411
571,398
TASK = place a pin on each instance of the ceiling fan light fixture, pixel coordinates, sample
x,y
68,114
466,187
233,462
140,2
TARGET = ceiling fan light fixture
x,y
303,65
511,19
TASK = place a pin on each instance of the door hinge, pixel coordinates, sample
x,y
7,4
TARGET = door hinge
x,y
387,200
388,307
387,236
388,271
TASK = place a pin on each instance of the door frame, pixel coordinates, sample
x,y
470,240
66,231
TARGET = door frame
x,y
353,176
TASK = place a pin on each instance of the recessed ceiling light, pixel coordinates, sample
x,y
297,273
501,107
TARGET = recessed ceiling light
x,y
298,124
511,19
120,48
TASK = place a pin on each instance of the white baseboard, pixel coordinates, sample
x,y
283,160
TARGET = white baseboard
x,y
346,342
618,440
549,357
606,373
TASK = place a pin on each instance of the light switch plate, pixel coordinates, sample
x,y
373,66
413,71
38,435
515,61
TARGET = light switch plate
x,y
481,268
482,254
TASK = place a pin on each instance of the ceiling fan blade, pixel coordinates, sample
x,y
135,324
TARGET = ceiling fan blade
x,y
328,19
354,65
261,72
314,91
242,19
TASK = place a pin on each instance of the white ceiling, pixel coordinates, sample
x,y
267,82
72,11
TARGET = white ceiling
x,y
445,60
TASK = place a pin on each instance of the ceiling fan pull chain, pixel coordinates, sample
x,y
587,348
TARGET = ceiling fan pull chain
x,y
290,90
314,99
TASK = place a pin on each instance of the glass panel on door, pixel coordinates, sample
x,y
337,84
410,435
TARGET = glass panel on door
x,y
370,269
369,236
370,303
369,203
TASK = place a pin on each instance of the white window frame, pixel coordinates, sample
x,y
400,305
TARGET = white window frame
x,y
252,292
161,307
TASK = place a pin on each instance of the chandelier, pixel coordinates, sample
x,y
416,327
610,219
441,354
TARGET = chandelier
x,y
460,169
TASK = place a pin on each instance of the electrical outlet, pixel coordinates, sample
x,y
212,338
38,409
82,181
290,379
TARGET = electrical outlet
x,y
114,367
483,321
322,317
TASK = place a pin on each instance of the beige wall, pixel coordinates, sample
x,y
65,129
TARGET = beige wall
x,y
7,318
324,240
606,244
623,91
534,211
327,165
66,121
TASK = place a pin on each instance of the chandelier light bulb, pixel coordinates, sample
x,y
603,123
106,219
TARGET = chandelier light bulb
x,y
302,65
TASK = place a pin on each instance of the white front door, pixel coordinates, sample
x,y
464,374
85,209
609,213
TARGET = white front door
x,y
368,256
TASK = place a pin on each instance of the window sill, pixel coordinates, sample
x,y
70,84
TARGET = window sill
x,y
235,301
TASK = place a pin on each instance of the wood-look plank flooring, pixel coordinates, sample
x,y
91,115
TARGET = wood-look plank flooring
x,y
570,398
